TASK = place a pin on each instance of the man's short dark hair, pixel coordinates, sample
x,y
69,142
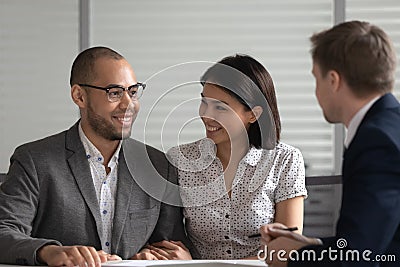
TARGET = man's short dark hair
x,y
82,70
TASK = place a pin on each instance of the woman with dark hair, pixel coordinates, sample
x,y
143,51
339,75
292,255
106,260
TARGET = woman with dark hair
x,y
240,177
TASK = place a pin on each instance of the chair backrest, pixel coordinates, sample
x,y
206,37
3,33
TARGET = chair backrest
x,y
323,180
321,208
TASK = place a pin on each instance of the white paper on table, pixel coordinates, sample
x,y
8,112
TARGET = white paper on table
x,y
184,263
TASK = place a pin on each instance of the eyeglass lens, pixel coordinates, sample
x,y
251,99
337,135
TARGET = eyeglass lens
x,y
116,93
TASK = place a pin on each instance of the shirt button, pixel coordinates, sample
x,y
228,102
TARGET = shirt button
x,y
226,237
107,243
104,212
88,156
99,159
229,251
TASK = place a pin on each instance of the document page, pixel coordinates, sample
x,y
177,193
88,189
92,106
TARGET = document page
x,y
185,263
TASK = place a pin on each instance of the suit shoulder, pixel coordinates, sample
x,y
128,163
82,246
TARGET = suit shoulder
x,y
382,128
49,143
151,151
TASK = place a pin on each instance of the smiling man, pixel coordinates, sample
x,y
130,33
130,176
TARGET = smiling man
x,y
72,198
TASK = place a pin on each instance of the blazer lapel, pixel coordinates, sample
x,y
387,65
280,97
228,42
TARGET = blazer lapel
x,y
125,190
80,168
137,189
387,101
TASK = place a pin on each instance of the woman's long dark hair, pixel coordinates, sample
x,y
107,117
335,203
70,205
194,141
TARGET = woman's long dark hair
x,y
251,84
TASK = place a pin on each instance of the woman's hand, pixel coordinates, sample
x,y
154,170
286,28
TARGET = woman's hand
x,y
144,254
170,250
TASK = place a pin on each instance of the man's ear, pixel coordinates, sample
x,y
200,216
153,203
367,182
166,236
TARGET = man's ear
x,y
256,113
334,80
79,96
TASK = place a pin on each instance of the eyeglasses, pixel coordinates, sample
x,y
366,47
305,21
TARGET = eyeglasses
x,y
115,92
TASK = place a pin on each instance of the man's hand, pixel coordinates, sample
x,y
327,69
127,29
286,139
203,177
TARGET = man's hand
x,y
280,243
81,256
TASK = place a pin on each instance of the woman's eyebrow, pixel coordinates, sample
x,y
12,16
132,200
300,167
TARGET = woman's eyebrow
x,y
215,101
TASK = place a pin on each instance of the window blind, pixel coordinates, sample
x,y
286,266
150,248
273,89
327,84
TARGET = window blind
x,y
38,42
386,15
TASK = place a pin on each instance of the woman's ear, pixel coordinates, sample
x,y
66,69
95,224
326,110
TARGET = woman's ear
x,y
78,95
256,113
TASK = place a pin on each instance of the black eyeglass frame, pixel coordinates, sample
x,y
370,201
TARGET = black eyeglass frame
x,y
108,88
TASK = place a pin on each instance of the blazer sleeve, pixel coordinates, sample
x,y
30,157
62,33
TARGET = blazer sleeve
x,y
19,197
170,224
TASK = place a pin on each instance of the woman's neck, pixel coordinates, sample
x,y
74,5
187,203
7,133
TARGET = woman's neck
x,y
230,152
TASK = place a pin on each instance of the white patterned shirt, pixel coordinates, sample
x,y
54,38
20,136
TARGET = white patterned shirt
x,y
105,186
219,225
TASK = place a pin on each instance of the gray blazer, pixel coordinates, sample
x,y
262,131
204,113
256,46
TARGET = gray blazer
x,y
48,197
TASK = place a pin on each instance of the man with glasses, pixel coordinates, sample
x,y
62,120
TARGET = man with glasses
x,y
77,197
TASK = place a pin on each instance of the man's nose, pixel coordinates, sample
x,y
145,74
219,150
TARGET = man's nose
x,y
125,100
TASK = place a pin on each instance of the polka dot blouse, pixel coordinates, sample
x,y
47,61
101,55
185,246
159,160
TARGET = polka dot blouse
x,y
218,225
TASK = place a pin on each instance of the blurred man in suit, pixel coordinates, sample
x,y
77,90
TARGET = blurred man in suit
x,y
354,68
74,198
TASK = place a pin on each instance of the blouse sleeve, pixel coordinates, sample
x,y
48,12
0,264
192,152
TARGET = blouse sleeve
x,y
292,177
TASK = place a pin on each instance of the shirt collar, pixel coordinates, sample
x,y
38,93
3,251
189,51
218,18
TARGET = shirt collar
x,y
356,120
253,156
92,153
207,148
208,151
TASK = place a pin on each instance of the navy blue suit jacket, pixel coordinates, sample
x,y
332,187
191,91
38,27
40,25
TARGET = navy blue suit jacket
x,y
370,213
